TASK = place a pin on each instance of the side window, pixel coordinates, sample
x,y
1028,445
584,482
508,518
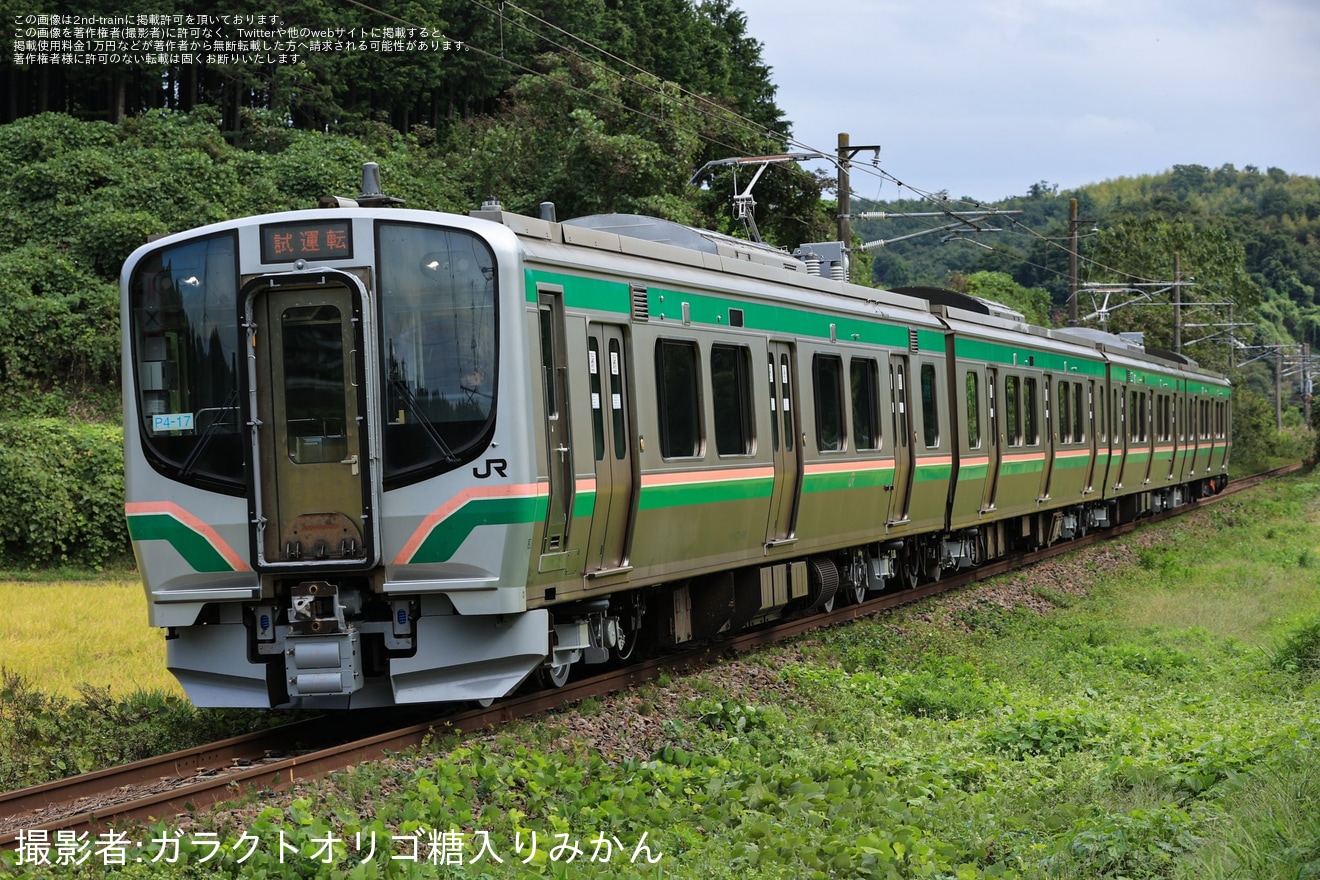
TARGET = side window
x,y
1012,411
973,410
676,381
827,379
731,394
1029,432
930,416
1101,430
1065,413
1137,417
616,401
865,375
1079,414
597,415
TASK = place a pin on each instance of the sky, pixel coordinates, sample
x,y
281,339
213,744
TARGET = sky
x,y
984,99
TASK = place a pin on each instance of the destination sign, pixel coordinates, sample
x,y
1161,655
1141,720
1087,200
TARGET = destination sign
x,y
322,239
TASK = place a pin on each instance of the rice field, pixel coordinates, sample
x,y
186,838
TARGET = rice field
x,y
64,635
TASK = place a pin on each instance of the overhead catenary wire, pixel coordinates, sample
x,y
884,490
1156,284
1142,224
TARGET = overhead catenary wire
x,y
698,104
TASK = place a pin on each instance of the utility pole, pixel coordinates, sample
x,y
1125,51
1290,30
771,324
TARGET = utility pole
x,y
845,199
1278,389
1306,383
1072,263
1177,302
846,153
1232,341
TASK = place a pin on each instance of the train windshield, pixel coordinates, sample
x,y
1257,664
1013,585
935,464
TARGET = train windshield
x,y
185,355
438,344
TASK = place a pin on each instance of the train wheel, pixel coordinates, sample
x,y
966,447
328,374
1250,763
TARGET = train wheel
x,y
630,630
930,563
977,549
909,566
554,675
626,643
856,589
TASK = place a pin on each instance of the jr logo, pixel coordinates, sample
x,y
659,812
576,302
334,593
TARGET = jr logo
x,y
493,465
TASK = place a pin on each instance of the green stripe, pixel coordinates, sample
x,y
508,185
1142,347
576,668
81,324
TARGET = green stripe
x,y
843,480
1016,355
445,539
594,294
1017,468
584,504
684,494
195,549
968,472
925,473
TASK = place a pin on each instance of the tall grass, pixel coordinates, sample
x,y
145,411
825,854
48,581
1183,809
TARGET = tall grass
x,y
63,636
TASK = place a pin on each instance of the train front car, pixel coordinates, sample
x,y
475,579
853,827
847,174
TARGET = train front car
x,y
326,507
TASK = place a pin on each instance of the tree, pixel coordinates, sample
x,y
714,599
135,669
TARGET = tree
x,y
1145,248
1033,303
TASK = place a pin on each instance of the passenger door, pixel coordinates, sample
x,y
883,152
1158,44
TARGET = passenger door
x,y
901,412
559,452
607,363
991,433
785,438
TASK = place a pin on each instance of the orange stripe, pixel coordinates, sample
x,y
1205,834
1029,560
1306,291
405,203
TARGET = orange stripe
x,y
707,476
169,508
840,467
445,510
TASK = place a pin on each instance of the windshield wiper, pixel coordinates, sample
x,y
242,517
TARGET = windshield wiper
x,y
401,388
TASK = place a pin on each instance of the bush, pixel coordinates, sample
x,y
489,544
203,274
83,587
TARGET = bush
x,y
1299,651
49,737
64,484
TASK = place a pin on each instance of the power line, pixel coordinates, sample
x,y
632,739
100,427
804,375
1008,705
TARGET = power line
x,y
697,104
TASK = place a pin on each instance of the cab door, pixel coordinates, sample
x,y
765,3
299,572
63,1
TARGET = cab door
x,y
607,364
312,490
785,437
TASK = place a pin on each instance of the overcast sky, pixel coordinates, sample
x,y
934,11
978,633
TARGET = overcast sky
x,y
985,98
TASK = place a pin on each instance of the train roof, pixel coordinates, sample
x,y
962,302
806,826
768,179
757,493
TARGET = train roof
x,y
664,240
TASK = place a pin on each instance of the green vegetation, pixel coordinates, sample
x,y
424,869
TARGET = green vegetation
x,y
1157,720
45,736
67,636
64,484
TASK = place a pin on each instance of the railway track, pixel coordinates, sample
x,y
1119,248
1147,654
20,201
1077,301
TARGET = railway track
x,y
274,759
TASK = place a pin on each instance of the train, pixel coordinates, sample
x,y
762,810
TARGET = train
x,y
378,456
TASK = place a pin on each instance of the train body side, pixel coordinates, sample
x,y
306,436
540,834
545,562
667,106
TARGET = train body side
x,y
460,450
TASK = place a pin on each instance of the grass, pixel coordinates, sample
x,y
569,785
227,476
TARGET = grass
x,y
65,635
